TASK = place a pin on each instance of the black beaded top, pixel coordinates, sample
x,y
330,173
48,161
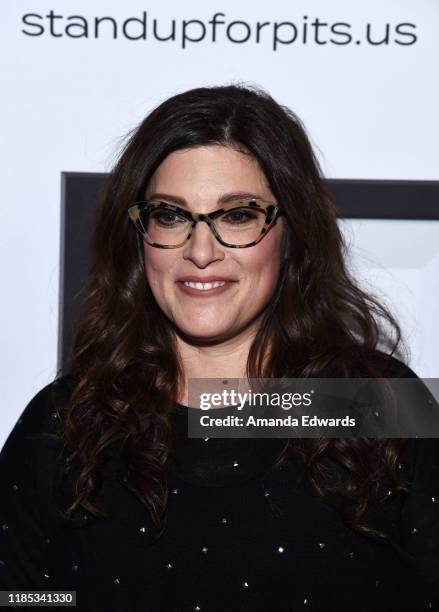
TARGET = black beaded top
x,y
239,535
214,462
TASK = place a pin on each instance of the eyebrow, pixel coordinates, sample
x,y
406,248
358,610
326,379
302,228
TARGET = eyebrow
x,y
224,199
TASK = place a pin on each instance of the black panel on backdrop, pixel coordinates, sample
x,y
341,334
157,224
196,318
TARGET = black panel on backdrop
x,y
355,199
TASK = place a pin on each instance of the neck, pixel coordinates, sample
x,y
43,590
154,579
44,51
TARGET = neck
x,y
227,359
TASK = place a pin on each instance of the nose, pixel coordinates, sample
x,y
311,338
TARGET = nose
x,y
202,247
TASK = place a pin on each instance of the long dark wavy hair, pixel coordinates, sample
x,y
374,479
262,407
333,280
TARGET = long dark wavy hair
x,y
319,323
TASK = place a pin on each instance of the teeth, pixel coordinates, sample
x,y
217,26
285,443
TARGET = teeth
x,y
204,286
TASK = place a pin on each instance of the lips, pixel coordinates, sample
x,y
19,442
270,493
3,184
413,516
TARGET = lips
x,y
204,286
206,279
204,289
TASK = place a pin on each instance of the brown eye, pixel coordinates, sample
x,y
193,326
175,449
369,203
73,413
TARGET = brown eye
x,y
238,216
166,218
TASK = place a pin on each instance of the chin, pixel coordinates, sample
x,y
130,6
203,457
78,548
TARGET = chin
x,y
205,335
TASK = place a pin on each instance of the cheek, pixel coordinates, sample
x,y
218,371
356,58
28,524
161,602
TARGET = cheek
x,y
157,263
263,264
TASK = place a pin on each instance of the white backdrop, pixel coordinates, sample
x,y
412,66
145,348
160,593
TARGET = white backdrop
x,y
68,98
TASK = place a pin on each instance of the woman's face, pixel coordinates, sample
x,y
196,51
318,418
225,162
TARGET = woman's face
x,y
199,177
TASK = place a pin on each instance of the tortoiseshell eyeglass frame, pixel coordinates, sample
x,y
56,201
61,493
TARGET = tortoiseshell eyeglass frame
x,y
271,210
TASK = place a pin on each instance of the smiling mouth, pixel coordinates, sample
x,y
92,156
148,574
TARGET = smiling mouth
x,y
205,290
204,286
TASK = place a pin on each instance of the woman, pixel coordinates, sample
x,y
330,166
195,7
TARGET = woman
x,y
103,492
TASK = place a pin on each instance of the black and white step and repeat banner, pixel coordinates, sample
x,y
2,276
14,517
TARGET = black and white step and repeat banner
x,y
77,76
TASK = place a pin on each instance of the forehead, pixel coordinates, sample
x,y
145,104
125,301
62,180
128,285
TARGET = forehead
x,y
206,171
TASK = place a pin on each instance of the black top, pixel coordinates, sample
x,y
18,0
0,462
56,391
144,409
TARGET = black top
x,y
237,537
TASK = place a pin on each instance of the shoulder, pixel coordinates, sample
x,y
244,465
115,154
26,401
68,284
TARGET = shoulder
x,y
40,410
410,390
36,433
29,512
393,367
420,409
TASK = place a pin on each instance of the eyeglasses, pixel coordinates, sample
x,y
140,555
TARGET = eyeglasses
x,y
238,226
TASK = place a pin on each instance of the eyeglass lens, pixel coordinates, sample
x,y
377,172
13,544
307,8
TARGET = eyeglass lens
x,y
237,226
